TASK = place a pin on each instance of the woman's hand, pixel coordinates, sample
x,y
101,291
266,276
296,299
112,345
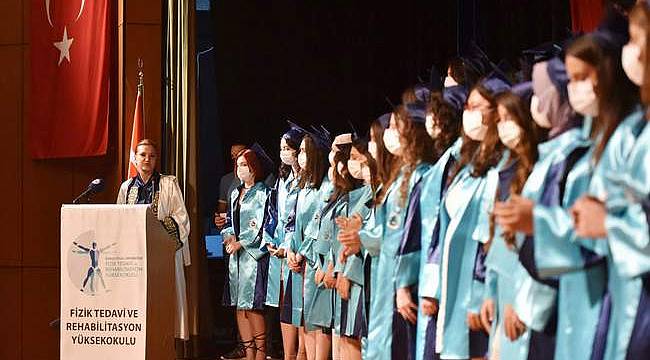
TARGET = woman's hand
x,y
343,287
318,276
277,252
515,215
405,305
487,314
474,321
233,247
219,220
429,306
513,326
329,279
293,262
589,216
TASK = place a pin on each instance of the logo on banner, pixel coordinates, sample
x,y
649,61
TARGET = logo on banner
x,y
86,264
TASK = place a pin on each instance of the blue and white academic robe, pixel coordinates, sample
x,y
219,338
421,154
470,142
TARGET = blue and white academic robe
x,y
351,313
280,221
389,335
418,259
464,228
246,285
568,289
308,251
307,206
322,308
628,257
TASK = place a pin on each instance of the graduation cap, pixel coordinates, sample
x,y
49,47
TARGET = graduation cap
x,y
321,136
264,159
417,111
456,96
342,139
542,52
495,84
422,93
557,73
295,132
384,120
524,90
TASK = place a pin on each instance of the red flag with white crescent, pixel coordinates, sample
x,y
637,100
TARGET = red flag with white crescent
x,y
70,78
137,133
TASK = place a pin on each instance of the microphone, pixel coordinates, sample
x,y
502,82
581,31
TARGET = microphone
x,y
96,186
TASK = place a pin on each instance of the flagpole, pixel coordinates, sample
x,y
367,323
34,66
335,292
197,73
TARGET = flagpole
x,y
141,92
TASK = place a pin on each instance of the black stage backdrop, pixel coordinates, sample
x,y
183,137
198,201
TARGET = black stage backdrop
x,y
336,62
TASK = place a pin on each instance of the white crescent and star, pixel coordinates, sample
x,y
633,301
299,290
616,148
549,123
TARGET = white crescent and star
x,y
66,42
64,46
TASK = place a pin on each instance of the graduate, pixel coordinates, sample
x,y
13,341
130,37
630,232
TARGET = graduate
x,y
322,257
312,160
351,284
349,227
518,133
279,225
417,267
166,199
613,211
464,225
390,335
246,286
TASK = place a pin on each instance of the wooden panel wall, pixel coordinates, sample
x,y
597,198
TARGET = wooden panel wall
x,y
33,191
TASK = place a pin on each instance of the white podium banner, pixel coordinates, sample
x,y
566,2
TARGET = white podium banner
x,y
103,282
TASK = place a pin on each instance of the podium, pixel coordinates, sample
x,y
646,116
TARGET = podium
x,y
117,284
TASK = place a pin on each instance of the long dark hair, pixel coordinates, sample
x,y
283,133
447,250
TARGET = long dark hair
x,y
361,145
417,146
616,94
446,118
343,182
316,166
284,170
525,153
485,154
387,163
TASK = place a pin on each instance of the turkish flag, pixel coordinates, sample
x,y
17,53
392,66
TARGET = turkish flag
x,y
137,133
70,78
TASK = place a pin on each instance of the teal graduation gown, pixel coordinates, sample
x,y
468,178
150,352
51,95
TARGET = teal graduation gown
x,y
307,249
464,226
308,205
559,256
248,267
351,313
383,240
287,195
624,154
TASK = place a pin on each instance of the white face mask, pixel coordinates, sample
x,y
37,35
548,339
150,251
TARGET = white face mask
x,y
631,64
540,118
449,81
432,129
391,141
473,125
358,170
583,98
302,160
244,173
288,157
372,149
509,133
